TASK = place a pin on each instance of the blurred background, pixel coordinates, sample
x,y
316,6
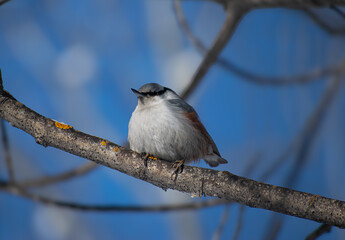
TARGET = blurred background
x,y
75,61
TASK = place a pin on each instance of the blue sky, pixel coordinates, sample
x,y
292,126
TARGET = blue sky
x,y
75,61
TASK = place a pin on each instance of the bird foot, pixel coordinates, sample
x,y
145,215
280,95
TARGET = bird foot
x,y
146,156
178,165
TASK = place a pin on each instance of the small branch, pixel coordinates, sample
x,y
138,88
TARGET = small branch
x,y
234,14
302,140
7,151
289,3
324,228
44,181
327,28
221,226
18,190
305,78
3,1
304,146
337,10
239,222
194,180
5,142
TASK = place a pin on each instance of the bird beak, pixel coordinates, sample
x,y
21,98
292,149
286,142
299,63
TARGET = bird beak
x,y
137,93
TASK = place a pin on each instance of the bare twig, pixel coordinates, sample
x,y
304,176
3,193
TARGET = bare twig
x,y
225,216
194,180
234,14
7,151
290,3
313,16
18,190
43,181
249,170
3,1
5,142
304,146
337,10
312,128
239,222
313,75
324,228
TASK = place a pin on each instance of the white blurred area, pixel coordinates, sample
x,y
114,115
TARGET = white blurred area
x,y
54,223
76,66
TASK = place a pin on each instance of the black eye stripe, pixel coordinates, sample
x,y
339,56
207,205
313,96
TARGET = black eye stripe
x,y
154,93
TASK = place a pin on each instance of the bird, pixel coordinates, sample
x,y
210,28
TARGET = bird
x,y
166,127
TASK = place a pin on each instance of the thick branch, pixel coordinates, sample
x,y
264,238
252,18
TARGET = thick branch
x,y
194,180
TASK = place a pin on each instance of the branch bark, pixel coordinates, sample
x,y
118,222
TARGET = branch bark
x,y
194,180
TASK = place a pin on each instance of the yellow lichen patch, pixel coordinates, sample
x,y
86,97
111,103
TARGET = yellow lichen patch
x,y
103,143
62,125
116,149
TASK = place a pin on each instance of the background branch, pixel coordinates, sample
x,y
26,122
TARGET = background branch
x,y
194,180
234,14
44,181
20,191
324,228
304,147
305,78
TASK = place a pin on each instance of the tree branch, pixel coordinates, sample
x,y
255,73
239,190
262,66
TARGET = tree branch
x,y
3,1
20,191
251,77
7,152
324,228
304,146
234,14
47,180
194,180
286,3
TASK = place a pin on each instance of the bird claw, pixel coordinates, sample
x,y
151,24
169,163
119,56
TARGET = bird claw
x,y
178,165
146,156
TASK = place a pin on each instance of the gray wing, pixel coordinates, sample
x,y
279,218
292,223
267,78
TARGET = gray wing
x,y
193,116
181,104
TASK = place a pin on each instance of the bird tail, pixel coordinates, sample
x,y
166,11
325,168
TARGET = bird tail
x,y
214,160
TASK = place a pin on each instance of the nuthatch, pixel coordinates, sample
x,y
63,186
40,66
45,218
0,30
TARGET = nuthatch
x,y
163,125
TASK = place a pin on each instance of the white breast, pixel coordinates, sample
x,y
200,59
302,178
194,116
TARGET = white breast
x,y
164,134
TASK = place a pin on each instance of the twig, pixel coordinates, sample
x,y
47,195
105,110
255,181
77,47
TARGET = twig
x,y
43,181
324,228
313,75
304,147
234,14
7,151
313,16
18,190
194,180
221,226
3,1
249,170
5,142
337,10
239,222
